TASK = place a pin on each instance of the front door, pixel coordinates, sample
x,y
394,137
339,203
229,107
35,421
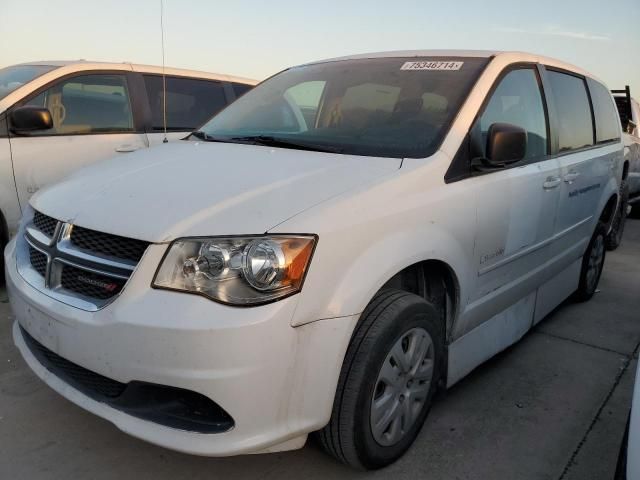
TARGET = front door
x,y
517,206
92,121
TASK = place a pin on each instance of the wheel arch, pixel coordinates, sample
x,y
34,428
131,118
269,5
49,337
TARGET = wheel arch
x,y
435,281
609,210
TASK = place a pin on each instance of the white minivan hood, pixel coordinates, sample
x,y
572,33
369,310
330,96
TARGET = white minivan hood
x,y
193,188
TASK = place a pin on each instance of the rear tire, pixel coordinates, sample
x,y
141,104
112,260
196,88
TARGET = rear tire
x,y
617,225
390,373
592,264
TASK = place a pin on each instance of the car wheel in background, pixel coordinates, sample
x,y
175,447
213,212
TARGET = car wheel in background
x,y
592,264
390,373
617,227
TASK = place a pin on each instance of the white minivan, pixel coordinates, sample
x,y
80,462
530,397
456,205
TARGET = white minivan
x,y
56,117
324,254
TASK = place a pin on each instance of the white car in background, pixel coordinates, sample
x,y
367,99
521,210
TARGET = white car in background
x,y
56,117
629,459
324,254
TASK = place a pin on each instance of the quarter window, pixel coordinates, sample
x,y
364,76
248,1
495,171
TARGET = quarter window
x,y
190,101
605,113
517,100
575,126
87,104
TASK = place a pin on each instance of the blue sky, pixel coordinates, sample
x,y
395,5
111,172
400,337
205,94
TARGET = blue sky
x,y
258,38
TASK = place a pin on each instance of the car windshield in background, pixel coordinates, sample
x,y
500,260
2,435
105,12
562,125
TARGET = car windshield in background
x,y
15,77
384,107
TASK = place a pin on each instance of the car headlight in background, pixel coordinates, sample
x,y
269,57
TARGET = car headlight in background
x,y
237,270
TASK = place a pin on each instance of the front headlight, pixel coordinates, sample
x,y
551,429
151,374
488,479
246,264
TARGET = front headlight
x,y
237,270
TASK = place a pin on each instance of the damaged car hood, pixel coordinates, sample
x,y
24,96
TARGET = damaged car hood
x,y
192,188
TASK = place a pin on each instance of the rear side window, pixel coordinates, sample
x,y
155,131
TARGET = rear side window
x,y
575,126
240,89
517,100
605,113
190,102
87,104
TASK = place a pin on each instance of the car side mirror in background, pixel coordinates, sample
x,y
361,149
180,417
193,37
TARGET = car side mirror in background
x,y
29,119
506,144
631,127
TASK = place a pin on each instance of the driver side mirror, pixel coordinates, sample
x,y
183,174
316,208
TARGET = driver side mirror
x,y
29,119
506,144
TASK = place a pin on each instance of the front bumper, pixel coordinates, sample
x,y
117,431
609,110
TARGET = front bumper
x,y
276,382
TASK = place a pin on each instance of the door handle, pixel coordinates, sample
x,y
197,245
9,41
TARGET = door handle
x,y
570,177
551,182
127,148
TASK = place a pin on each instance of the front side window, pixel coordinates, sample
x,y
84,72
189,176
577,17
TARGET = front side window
x,y
605,113
190,102
517,100
384,107
575,126
86,104
12,78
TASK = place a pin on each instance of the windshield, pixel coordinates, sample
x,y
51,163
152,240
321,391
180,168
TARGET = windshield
x,y
15,77
385,107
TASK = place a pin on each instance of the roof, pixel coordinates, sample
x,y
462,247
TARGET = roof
x,y
87,64
514,56
416,53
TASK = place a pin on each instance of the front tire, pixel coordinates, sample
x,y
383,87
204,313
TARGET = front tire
x,y
592,264
390,373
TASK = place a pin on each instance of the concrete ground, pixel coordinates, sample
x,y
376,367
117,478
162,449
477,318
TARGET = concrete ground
x,y
553,406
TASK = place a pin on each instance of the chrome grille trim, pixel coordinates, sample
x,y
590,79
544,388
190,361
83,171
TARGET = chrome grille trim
x,y
60,252
66,246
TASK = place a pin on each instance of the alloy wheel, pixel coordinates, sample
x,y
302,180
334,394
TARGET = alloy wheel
x,y
402,386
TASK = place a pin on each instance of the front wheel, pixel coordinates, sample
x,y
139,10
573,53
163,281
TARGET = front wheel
x,y
592,264
389,376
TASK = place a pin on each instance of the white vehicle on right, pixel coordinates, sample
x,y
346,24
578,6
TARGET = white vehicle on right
x,y
629,111
629,465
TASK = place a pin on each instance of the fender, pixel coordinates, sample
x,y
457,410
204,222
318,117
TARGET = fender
x,y
404,218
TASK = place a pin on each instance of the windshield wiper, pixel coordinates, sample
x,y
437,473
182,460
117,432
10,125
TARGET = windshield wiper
x,y
269,141
199,134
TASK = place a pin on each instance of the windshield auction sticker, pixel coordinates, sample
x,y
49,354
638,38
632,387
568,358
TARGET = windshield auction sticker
x,y
432,65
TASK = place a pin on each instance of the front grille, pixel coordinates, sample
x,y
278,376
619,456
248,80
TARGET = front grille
x,y
74,374
90,284
38,260
108,244
45,224
78,266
